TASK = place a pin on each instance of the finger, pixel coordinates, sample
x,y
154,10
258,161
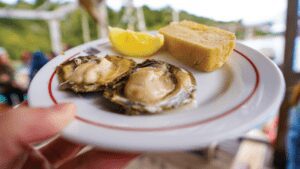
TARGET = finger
x,y
23,104
59,151
29,125
99,160
4,108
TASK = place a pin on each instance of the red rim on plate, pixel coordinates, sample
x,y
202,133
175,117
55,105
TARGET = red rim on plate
x,y
168,128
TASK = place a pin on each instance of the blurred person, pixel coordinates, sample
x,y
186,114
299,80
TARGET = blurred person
x,y
21,127
23,72
26,58
8,86
4,107
6,70
39,59
293,136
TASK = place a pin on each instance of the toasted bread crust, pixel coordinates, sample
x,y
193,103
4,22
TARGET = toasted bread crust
x,y
202,47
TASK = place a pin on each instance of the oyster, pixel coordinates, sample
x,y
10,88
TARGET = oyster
x,y
90,73
153,86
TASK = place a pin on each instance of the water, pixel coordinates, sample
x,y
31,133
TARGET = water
x,y
271,46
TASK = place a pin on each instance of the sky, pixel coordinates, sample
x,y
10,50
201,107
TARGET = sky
x,y
249,11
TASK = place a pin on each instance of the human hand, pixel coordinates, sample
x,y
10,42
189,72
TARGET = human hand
x,y
24,126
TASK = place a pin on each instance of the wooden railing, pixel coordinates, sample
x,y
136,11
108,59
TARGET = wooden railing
x,y
291,78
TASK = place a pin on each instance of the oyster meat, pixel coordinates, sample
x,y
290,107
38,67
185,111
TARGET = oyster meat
x,y
153,86
91,74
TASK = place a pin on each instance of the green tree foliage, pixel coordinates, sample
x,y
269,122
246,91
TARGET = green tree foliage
x,y
38,3
157,18
115,18
21,4
2,4
71,29
19,35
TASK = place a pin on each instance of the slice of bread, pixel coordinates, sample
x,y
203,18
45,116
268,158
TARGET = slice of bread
x,y
202,47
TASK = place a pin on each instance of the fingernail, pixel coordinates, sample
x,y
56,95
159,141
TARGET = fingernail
x,y
65,107
62,114
66,110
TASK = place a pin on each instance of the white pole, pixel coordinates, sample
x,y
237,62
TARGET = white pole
x,y
175,15
85,27
141,19
55,35
128,15
103,20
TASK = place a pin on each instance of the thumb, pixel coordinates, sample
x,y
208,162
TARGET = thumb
x,y
29,125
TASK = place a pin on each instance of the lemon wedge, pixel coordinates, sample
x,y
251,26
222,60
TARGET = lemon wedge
x,y
135,44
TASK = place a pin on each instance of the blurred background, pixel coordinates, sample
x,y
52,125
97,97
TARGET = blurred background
x,y
32,32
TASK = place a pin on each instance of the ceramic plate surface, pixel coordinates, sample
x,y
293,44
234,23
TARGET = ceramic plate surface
x,y
241,95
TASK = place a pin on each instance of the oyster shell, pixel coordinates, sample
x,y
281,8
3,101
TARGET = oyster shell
x,y
91,74
153,86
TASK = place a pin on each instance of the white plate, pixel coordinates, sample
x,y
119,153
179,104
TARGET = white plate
x,y
241,95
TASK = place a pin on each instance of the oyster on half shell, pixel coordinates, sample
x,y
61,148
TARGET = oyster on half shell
x,y
153,86
91,73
